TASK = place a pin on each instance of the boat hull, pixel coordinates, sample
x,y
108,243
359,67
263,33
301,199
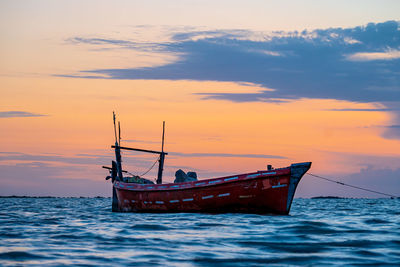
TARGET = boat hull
x,y
268,191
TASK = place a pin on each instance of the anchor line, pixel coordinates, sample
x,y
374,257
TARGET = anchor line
x,y
353,186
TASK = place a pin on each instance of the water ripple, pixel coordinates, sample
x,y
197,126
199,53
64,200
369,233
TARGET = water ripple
x,y
52,231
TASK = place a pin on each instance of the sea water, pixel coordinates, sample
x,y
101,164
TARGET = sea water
x,y
84,231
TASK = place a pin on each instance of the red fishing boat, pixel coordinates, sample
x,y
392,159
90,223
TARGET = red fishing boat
x,y
266,191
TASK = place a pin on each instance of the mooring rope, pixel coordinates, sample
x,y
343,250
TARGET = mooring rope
x,y
357,187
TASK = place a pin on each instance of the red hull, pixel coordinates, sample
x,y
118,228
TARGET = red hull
x,y
269,191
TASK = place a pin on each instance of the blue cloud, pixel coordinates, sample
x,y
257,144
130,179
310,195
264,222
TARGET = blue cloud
x,y
17,114
226,155
77,159
308,64
383,180
149,47
38,179
362,109
140,141
392,132
360,64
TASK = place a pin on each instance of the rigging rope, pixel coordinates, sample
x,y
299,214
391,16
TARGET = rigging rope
x,y
357,187
152,166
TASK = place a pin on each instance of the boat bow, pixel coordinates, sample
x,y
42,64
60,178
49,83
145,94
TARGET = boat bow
x,y
297,171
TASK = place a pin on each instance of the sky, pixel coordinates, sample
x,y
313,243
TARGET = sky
x,y
240,85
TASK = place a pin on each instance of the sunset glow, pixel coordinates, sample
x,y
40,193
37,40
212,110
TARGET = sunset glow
x,y
69,86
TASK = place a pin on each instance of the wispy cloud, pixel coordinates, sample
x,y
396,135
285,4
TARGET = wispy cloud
x,y
261,96
116,43
75,159
226,155
363,109
369,56
388,183
19,114
38,179
140,141
393,126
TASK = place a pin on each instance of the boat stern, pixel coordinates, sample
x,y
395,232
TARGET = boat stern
x,y
297,171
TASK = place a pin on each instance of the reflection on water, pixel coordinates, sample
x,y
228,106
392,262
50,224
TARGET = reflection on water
x,y
57,231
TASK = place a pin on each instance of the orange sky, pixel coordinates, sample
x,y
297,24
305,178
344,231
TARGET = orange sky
x,y
80,121
77,121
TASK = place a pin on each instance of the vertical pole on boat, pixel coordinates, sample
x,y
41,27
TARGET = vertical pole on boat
x,y
119,133
115,127
162,157
117,151
116,169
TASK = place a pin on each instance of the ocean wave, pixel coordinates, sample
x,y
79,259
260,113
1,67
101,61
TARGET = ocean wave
x,y
54,231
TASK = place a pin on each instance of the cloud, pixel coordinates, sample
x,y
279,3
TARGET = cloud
x,y
368,56
76,159
242,97
392,132
296,64
60,175
118,44
140,141
360,64
19,114
379,179
349,40
383,180
210,34
38,175
362,109
36,179
225,155
358,160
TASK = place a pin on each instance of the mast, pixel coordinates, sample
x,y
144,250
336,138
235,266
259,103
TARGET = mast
x,y
118,147
115,128
162,157
119,133
117,150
